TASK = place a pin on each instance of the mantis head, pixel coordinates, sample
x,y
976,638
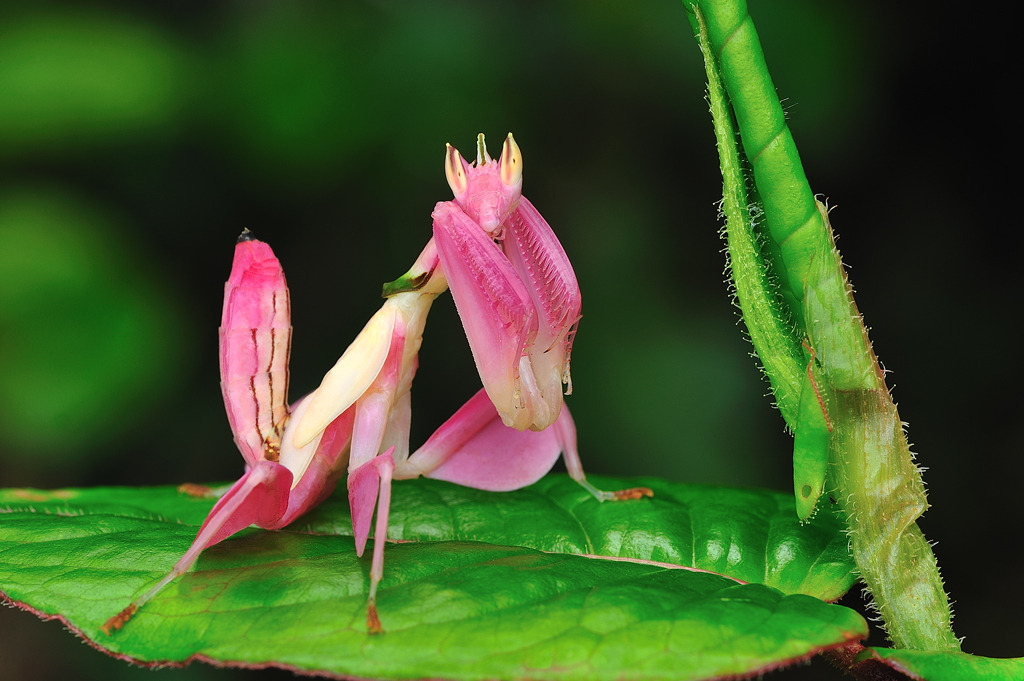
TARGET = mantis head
x,y
487,191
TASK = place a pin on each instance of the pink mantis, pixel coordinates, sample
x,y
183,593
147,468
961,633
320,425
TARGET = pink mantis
x,y
519,303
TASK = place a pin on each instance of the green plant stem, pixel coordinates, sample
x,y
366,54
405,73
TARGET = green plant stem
x,y
757,291
872,474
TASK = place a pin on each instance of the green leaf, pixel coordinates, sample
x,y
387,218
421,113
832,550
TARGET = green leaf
x,y
512,602
945,665
728,531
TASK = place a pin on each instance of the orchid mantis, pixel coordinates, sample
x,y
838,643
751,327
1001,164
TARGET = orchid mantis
x,y
519,303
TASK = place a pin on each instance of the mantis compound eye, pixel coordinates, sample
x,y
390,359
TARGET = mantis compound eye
x,y
511,162
455,171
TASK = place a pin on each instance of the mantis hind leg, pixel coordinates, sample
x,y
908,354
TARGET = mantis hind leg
x,y
370,486
565,431
260,497
380,533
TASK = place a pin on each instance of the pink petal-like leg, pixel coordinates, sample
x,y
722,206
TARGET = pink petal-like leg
x,y
565,430
369,486
396,435
494,306
321,474
475,449
374,407
385,465
371,420
260,497
363,486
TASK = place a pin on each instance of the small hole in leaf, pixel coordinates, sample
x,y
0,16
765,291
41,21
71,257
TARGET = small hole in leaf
x,y
805,491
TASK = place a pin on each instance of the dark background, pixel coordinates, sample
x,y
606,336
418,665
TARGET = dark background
x,y
138,139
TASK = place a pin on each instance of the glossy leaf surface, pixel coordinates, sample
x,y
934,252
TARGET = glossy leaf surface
x,y
487,589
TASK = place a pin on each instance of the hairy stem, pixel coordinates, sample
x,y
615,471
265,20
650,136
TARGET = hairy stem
x,y
795,277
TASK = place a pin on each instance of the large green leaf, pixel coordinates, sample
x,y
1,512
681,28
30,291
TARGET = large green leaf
x,y
943,665
514,602
750,534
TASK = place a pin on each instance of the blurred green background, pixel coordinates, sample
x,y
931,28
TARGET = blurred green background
x,y
138,139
